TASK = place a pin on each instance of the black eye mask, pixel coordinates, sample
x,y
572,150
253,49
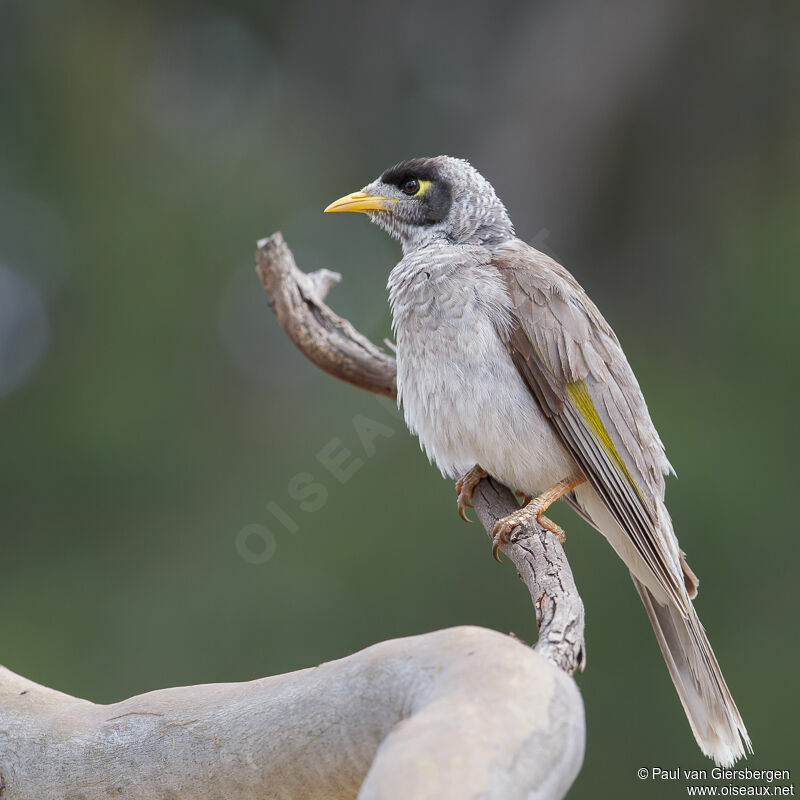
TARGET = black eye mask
x,y
435,203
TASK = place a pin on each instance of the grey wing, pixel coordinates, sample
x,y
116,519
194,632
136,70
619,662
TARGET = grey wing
x,y
573,364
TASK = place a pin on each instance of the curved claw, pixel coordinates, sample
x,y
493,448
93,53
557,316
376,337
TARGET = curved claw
x,y
464,486
553,527
501,532
497,543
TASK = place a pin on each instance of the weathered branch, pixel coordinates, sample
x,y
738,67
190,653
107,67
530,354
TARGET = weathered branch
x,y
496,719
334,345
331,342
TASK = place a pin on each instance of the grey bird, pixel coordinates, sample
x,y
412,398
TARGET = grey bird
x,y
506,367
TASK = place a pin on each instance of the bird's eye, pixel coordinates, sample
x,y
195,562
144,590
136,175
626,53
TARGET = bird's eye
x,y
410,187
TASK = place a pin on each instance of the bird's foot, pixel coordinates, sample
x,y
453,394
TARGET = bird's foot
x,y
534,510
505,525
465,485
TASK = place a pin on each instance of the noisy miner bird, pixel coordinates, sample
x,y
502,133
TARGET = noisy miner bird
x,y
506,367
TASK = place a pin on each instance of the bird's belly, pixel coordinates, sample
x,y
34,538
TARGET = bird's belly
x,y
464,399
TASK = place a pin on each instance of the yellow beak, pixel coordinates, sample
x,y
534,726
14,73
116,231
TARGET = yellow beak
x,y
360,201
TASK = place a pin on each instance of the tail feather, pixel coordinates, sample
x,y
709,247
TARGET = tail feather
x,y
707,701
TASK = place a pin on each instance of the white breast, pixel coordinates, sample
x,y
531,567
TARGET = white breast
x,y
460,391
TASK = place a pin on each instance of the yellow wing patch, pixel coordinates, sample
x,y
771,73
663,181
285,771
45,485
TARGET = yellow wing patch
x,y
580,396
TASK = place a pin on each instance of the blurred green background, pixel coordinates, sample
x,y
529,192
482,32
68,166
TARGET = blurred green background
x,y
151,409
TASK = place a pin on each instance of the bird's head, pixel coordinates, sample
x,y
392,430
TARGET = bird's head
x,y
425,200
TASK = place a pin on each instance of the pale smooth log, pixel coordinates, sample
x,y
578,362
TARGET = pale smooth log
x,y
459,713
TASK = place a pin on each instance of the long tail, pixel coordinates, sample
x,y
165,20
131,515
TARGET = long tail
x,y
713,716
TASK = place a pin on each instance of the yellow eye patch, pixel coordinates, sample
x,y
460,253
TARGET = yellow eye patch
x,y
423,187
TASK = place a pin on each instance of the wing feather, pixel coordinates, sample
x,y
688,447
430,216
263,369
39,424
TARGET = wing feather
x,y
573,364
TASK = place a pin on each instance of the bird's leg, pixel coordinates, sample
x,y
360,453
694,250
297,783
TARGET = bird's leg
x,y
535,510
464,486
